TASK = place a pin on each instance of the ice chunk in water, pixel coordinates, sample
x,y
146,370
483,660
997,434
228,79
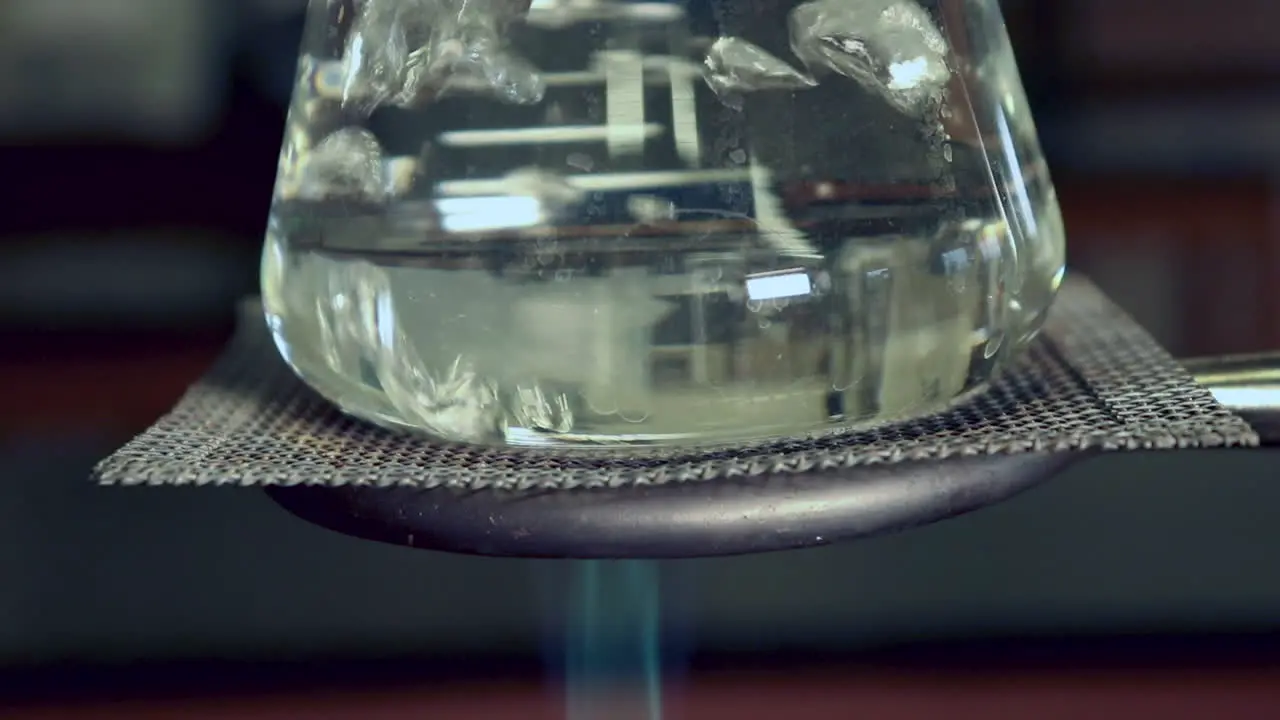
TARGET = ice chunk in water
x,y
891,47
532,409
733,66
346,164
359,312
475,60
466,51
377,50
407,51
460,404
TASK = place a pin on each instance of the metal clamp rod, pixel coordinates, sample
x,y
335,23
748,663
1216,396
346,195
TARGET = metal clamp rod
x,y
1248,385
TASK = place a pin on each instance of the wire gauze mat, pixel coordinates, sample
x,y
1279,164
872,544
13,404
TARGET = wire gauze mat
x,y
1094,379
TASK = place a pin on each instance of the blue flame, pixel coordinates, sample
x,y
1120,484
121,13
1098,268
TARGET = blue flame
x,y
611,640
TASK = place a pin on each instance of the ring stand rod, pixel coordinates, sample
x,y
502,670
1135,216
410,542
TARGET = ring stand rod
x,y
1247,384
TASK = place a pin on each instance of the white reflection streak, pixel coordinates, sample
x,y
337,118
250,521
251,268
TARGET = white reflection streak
x,y
778,285
471,214
543,135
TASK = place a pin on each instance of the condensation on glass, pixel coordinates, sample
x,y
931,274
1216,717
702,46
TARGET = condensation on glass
x,y
603,222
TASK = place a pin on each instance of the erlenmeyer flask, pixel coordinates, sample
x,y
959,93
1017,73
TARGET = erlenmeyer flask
x,y
604,222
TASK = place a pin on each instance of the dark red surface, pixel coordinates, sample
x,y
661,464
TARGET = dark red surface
x,y
110,384
1077,695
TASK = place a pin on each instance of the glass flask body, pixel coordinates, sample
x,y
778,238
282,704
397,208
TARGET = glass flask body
x,y
606,222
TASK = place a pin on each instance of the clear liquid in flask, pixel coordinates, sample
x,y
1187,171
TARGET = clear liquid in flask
x,y
592,223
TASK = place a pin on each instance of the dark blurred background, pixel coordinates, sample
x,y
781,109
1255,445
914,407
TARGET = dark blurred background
x,y
138,143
